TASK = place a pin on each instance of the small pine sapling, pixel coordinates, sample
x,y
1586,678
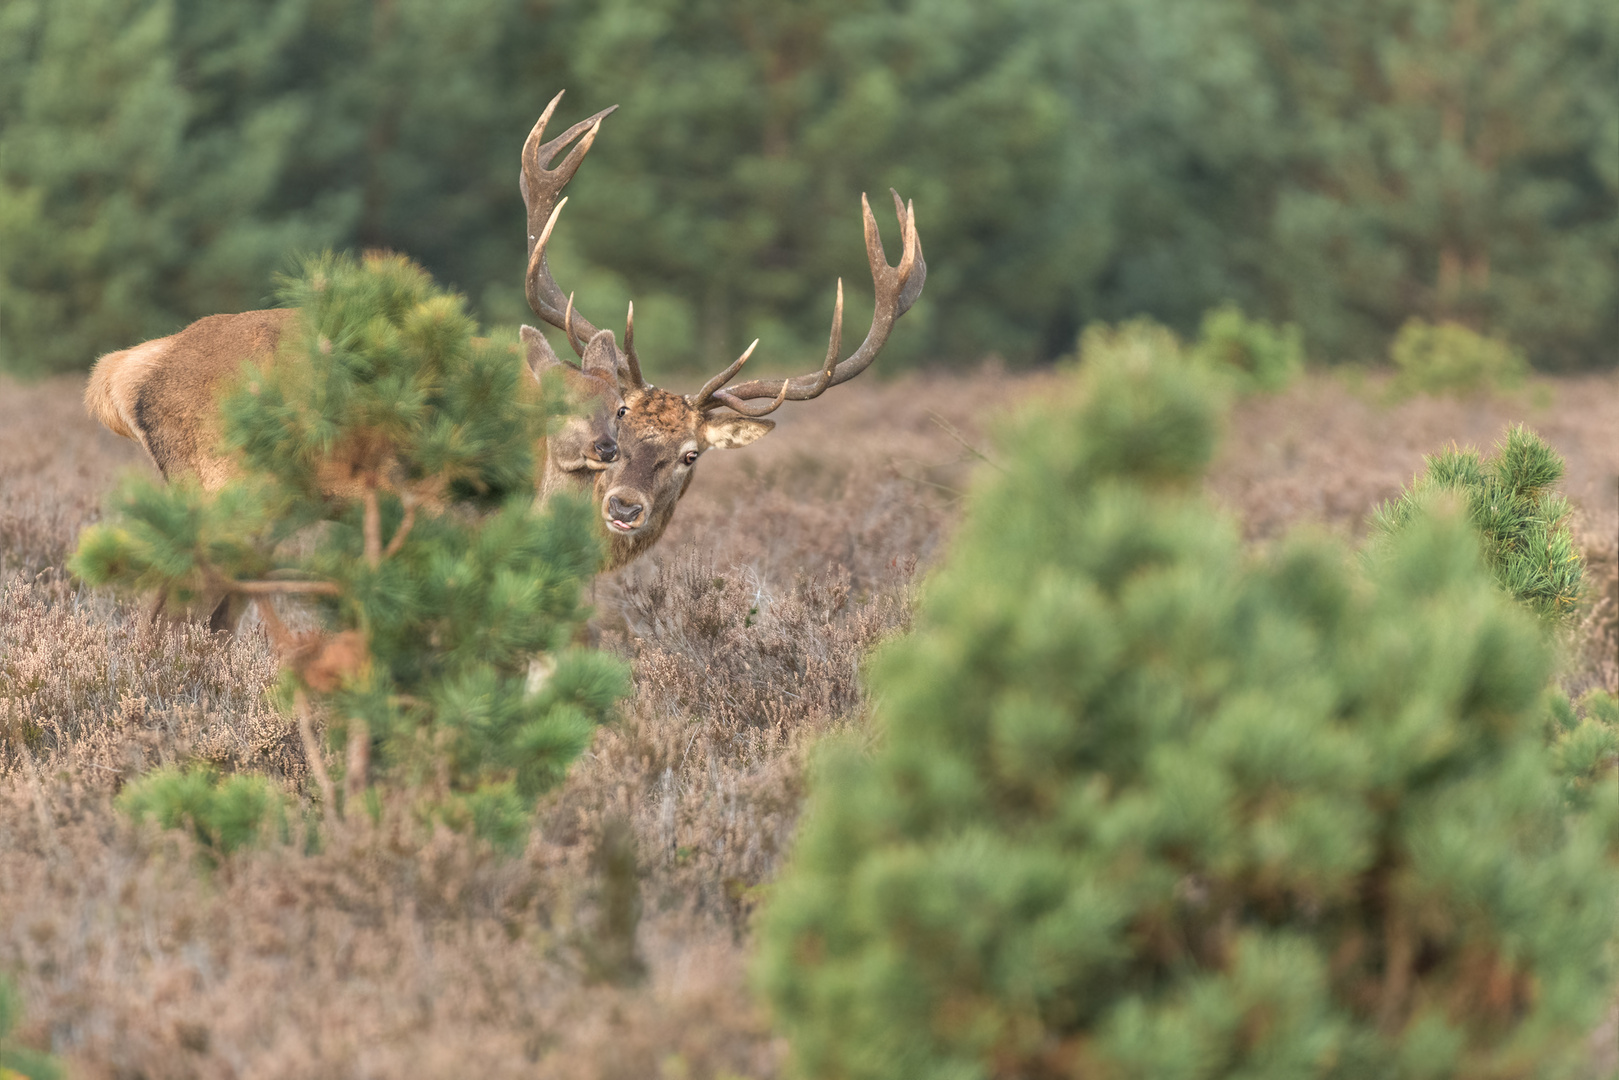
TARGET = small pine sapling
x,y
223,814
1522,522
1449,358
389,460
1144,336
1146,804
16,1062
1258,355
1245,355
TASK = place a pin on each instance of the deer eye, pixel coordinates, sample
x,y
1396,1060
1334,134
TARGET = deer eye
x,y
690,456
622,409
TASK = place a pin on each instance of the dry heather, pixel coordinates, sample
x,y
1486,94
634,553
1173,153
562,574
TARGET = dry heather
x,y
616,945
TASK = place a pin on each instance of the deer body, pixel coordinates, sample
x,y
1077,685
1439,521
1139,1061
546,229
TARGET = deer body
x,y
164,394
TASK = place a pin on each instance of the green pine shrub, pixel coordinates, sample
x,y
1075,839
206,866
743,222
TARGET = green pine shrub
x,y
1512,504
1147,805
389,484
1449,358
16,1062
1142,336
1246,355
224,814
1585,743
1260,355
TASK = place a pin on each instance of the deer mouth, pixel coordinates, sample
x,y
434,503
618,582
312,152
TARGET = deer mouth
x,y
624,515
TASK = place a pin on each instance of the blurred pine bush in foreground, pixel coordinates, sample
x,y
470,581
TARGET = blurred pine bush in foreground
x,y
1146,805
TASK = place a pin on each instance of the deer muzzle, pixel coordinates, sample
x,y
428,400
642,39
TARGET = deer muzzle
x,y
625,514
606,449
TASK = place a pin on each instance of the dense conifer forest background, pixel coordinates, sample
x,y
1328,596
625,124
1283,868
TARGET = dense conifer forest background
x,y
1342,166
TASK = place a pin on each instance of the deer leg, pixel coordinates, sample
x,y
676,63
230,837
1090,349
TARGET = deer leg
x,y
227,614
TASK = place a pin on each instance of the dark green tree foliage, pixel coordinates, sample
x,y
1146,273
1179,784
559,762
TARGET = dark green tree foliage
x,y
397,453
1513,505
729,181
1447,160
143,149
418,112
16,1061
1146,805
1344,167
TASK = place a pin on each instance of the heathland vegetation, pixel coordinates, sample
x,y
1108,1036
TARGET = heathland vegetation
x,y
615,942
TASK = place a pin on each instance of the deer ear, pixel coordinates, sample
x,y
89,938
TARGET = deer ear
x,y
541,357
732,432
601,356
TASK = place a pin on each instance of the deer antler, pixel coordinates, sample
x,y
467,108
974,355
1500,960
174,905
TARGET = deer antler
x,y
632,361
541,185
897,288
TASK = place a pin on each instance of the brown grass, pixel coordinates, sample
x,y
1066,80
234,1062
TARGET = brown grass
x,y
616,945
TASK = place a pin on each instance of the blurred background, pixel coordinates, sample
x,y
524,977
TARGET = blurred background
x,y
1345,166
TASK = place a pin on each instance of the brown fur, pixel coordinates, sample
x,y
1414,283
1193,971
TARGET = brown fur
x,y
575,451
658,430
162,393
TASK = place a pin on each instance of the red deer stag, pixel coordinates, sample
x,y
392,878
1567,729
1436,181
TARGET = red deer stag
x,y
661,433
164,393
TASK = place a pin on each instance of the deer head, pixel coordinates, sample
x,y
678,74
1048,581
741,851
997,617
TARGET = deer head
x,y
587,442
662,433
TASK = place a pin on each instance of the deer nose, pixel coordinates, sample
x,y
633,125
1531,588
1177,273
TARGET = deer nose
x,y
619,512
606,450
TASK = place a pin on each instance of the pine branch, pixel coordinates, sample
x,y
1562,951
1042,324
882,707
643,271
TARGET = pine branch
x,y
403,531
317,764
280,636
267,588
358,760
373,527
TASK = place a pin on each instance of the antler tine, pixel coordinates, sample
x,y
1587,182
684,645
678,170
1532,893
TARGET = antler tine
x,y
910,288
567,326
822,381
735,403
531,156
702,397
550,223
897,288
540,185
630,358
